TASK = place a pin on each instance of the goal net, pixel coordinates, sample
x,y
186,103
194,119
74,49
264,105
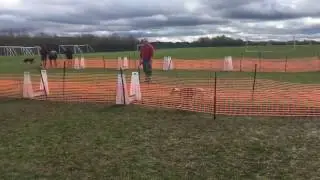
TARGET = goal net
x,y
76,49
19,51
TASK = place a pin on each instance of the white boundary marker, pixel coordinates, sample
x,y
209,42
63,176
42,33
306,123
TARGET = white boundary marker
x,y
76,63
28,89
123,63
82,63
122,95
79,63
227,63
167,63
135,92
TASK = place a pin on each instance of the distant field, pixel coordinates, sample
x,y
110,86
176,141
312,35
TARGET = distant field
x,y
277,52
13,66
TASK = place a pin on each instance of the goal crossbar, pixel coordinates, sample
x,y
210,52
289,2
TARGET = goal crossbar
x,y
76,48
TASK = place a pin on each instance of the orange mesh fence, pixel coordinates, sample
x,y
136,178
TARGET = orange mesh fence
x,y
233,96
239,64
211,94
11,86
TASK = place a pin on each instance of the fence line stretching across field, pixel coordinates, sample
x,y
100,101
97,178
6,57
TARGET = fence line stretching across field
x,y
238,64
214,94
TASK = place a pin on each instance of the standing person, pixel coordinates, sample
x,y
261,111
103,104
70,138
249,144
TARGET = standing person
x,y
53,55
146,54
69,56
68,53
43,54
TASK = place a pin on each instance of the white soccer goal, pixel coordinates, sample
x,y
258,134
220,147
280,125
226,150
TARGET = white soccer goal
x,y
76,49
30,51
19,51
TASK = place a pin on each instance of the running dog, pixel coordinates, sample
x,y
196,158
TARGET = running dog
x,y
28,60
187,95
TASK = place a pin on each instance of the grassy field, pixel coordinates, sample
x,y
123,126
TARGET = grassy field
x,y
13,65
51,140
86,141
176,75
276,52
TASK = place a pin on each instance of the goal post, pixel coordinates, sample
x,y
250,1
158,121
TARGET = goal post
x,y
31,51
8,51
19,51
76,48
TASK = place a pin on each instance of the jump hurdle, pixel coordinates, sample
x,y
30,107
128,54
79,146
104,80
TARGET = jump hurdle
x,y
227,63
123,63
122,95
79,63
167,63
28,91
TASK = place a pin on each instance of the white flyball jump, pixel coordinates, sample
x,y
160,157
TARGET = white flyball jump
x,y
135,92
167,63
123,63
79,63
227,63
28,91
122,95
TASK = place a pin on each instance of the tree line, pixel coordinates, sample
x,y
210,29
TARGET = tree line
x,y
127,43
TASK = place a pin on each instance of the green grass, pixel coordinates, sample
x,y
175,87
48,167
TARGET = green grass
x,y
177,76
47,140
278,52
15,67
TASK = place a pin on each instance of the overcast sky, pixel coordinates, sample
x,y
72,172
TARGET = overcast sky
x,y
168,20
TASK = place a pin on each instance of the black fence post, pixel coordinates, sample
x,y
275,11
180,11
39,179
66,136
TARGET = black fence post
x,y
254,80
215,97
123,88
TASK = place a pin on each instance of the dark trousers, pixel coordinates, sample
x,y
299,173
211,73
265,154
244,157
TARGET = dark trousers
x,y
147,68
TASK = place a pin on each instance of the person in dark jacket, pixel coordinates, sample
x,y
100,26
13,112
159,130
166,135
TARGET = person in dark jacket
x,y
146,54
43,54
53,56
69,56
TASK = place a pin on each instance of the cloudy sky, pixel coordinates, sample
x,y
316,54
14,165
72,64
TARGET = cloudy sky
x,y
167,20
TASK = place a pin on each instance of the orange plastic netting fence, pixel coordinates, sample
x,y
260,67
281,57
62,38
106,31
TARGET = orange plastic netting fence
x,y
239,64
227,96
